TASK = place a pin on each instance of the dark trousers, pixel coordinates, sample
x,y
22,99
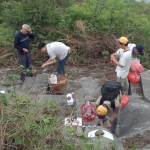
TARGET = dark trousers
x,y
23,60
61,65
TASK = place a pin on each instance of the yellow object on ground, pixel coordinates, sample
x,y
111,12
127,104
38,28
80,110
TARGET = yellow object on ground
x,y
66,75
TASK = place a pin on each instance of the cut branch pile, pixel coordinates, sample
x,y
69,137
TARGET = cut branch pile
x,y
89,45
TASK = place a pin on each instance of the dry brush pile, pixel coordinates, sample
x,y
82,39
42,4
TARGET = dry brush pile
x,y
87,47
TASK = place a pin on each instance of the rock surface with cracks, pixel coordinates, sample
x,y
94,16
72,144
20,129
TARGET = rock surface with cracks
x,y
133,127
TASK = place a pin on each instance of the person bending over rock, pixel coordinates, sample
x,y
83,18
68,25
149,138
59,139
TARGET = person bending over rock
x,y
108,114
55,50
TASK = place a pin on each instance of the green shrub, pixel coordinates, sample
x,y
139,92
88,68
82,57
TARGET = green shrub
x,y
38,14
55,19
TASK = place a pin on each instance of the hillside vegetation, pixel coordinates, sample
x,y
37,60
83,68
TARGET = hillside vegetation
x,y
88,26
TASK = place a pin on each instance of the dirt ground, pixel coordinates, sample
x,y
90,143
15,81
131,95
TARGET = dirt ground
x,y
137,141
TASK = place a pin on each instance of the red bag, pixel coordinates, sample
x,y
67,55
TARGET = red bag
x,y
88,112
136,67
133,77
125,100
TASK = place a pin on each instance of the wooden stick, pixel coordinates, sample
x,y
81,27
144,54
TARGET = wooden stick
x,y
6,55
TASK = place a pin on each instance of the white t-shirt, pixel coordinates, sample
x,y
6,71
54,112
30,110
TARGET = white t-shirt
x,y
120,50
57,50
125,60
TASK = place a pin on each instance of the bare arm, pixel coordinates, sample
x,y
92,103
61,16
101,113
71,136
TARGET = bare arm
x,y
113,117
49,62
101,123
31,35
118,63
118,55
115,61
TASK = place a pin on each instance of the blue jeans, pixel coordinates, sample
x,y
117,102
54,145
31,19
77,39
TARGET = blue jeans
x,y
114,126
61,65
115,122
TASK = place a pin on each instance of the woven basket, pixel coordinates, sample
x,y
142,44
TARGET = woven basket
x,y
58,88
110,76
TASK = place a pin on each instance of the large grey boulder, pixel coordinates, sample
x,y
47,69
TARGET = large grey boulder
x,y
134,116
134,123
145,80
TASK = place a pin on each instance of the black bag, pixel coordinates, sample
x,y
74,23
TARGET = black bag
x,y
109,91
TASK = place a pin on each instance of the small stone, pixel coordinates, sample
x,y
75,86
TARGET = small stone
x,y
79,131
44,70
99,132
8,69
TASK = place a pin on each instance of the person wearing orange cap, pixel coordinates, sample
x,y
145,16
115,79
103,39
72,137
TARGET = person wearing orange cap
x,y
123,65
105,110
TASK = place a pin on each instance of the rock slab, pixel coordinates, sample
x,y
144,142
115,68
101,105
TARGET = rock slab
x,y
145,80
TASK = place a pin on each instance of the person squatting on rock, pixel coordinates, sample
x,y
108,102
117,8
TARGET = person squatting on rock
x,y
108,110
22,44
123,66
55,50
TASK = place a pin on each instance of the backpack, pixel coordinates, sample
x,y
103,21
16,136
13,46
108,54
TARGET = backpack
x,y
109,91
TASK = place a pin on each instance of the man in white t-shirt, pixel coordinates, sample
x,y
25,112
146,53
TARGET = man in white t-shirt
x,y
123,65
134,49
55,50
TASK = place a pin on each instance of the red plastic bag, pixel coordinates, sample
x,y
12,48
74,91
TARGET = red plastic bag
x,y
125,100
88,112
133,77
136,67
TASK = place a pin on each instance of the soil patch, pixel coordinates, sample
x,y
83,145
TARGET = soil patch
x,y
137,140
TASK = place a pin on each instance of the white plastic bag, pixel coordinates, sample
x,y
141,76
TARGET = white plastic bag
x,y
135,59
53,79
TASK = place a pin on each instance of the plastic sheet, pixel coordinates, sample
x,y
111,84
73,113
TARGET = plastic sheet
x,y
136,67
125,100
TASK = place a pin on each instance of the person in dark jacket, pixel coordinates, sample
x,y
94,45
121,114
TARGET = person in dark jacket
x,y
22,44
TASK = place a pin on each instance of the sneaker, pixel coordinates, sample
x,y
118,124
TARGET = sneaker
x,y
31,74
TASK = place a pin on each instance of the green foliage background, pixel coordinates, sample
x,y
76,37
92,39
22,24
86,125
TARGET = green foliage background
x,y
121,18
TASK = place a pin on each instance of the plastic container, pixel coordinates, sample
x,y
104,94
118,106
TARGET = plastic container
x,y
61,85
135,59
70,99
